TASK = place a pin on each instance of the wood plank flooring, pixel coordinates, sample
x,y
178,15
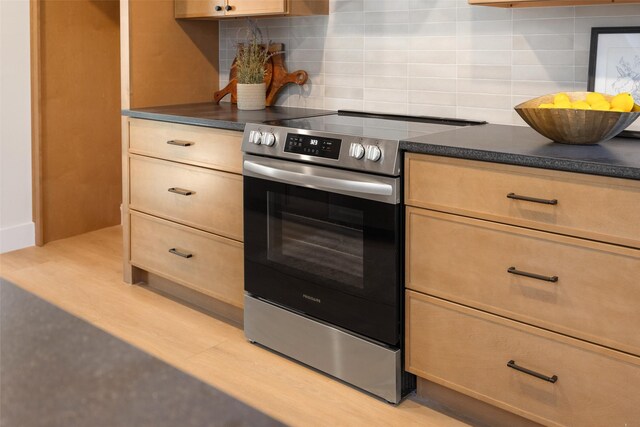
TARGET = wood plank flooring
x,y
83,275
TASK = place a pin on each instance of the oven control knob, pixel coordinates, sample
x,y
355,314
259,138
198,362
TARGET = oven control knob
x,y
255,137
373,153
268,139
356,150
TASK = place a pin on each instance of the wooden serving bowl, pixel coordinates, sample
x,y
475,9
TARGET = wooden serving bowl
x,y
569,126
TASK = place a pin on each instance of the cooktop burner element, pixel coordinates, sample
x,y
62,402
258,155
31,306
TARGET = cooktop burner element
x,y
346,139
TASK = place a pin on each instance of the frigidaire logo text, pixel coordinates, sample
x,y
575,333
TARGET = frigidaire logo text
x,y
318,300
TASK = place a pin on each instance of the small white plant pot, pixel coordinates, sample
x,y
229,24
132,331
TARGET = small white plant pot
x,y
251,96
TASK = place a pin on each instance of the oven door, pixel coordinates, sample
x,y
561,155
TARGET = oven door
x,y
316,243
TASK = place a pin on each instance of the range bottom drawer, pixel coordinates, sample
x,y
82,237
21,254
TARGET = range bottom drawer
x,y
202,261
469,351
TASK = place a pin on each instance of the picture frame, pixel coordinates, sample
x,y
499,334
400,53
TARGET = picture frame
x,y
614,65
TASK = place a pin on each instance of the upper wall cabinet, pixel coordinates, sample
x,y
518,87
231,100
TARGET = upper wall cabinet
x,y
548,3
220,9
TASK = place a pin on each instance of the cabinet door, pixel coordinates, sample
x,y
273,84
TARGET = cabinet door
x,y
256,7
199,8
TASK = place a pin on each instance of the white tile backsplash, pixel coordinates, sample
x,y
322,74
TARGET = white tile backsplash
x,y
432,57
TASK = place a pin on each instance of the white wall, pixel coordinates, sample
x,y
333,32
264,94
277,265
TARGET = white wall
x,y
434,57
16,226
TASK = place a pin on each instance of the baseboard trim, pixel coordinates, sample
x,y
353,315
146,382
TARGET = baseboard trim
x,y
17,237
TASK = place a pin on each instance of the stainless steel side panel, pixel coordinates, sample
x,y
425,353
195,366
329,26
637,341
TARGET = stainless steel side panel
x,y
359,362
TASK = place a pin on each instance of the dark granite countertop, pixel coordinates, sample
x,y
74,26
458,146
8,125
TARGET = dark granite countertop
x,y
58,370
521,145
222,116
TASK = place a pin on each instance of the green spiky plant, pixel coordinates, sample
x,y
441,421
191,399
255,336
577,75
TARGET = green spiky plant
x,y
252,55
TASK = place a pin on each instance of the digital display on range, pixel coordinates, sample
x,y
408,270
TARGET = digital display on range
x,y
313,146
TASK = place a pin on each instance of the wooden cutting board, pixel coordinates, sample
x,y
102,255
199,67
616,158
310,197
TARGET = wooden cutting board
x,y
276,77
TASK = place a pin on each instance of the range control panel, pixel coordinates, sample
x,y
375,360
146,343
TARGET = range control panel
x,y
313,145
326,148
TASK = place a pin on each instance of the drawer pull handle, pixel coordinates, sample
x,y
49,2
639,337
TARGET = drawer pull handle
x,y
181,254
512,364
180,143
181,191
532,199
514,270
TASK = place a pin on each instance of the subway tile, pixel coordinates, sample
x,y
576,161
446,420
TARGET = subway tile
x,y
543,72
497,87
608,10
491,42
483,100
390,30
347,55
432,84
543,26
386,56
380,82
340,6
350,18
386,70
343,92
432,110
432,4
432,43
432,56
543,57
386,5
312,55
483,57
432,29
472,28
431,98
543,42
533,89
344,80
348,68
581,75
386,107
581,58
432,70
497,72
429,16
524,13
343,104
386,18
344,43
483,14
584,25
385,95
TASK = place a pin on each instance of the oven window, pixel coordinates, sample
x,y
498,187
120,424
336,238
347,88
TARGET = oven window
x,y
316,237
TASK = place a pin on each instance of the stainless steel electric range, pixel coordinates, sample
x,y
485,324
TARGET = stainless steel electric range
x,y
323,227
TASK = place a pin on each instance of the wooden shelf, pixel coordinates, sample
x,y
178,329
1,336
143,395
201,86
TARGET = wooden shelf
x,y
545,3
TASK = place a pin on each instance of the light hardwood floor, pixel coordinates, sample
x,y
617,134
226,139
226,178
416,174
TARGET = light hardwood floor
x,y
83,275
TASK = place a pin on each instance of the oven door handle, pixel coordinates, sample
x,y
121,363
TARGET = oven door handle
x,y
318,181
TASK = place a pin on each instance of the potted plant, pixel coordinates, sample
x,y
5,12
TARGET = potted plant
x,y
250,68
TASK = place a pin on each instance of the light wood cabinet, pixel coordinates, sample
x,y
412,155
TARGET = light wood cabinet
x,y
547,3
183,213
469,351
537,266
220,9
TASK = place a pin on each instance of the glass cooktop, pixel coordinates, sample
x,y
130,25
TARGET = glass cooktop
x,y
383,126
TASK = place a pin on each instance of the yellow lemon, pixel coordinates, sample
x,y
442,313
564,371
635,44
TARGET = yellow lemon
x,y
562,104
617,110
601,106
546,106
622,101
594,98
580,105
561,98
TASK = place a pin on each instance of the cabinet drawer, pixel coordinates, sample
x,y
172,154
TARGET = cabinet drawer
x,y
201,146
586,204
214,203
468,350
466,260
214,267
